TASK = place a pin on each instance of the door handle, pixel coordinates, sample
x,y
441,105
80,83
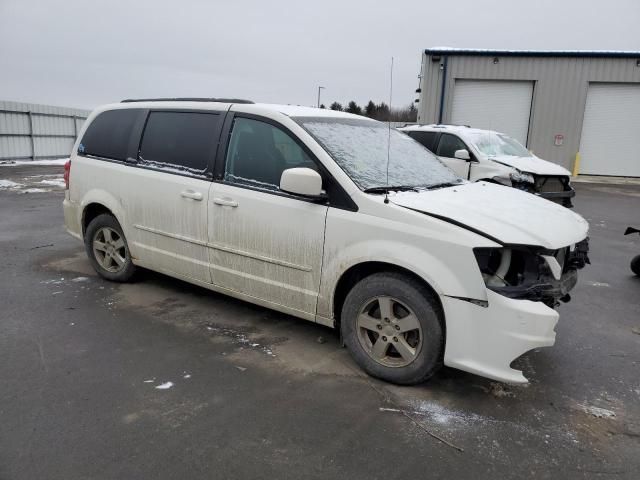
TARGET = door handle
x,y
225,202
191,194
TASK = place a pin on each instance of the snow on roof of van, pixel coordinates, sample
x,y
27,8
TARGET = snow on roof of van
x,y
532,53
301,111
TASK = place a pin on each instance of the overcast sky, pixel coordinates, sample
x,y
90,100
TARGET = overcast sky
x,y
83,53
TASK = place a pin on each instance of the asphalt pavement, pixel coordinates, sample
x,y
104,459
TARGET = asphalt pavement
x,y
162,379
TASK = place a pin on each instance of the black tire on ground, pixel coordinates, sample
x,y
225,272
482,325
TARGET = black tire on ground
x,y
635,265
404,292
118,272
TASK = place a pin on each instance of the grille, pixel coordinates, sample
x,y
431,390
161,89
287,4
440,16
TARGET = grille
x,y
550,184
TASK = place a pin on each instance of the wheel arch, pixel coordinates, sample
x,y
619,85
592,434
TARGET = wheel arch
x,y
96,202
91,211
361,270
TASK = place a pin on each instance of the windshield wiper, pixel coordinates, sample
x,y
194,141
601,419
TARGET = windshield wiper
x,y
442,185
391,188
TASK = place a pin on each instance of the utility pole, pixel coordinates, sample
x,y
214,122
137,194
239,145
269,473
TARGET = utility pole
x,y
319,88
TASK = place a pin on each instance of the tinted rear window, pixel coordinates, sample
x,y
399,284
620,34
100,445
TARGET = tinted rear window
x,y
109,133
186,140
427,139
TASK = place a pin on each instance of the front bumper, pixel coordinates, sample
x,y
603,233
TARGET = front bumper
x,y
563,198
557,189
485,341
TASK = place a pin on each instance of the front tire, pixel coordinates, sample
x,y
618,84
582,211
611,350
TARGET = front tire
x,y
108,250
393,327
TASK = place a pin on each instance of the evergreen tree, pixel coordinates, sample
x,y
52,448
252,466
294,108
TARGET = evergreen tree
x,y
370,109
322,105
353,107
336,106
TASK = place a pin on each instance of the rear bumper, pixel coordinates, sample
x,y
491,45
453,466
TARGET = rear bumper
x,y
485,341
72,217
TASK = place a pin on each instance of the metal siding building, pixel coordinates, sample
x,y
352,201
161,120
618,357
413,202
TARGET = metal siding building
x,y
30,132
549,93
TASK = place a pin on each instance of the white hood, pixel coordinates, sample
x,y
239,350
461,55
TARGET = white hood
x,y
504,213
532,165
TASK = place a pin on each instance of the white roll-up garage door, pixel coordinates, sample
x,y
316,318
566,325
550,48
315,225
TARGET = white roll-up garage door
x,y
610,141
504,106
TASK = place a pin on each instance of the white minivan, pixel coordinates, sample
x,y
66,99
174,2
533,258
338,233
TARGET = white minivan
x,y
486,155
330,217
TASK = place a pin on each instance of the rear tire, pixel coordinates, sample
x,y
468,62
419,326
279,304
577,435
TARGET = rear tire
x,y
635,265
393,327
108,250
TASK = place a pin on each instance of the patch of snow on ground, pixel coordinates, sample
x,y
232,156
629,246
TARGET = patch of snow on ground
x,y
34,190
240,338
597,411
165,386
80,279
58,182
54,161
9,184
445,416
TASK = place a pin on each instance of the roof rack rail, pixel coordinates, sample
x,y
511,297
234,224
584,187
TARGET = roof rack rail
x,y
187,99
440,125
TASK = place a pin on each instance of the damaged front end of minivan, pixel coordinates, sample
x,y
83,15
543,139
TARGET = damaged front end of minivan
x,y
533,273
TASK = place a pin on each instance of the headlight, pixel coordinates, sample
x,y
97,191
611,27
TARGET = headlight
x,y
520,177
530,273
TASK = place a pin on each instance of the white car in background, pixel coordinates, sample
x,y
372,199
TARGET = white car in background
x,y
330,217
477,154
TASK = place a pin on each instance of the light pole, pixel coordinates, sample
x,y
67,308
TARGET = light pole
x,y
319,88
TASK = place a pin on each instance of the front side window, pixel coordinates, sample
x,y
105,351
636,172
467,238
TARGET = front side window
x,y
361,149
494,144
259,152
182,140
108,134
449,144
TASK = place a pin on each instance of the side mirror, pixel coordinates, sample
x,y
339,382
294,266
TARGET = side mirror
x,y
302,181
462,154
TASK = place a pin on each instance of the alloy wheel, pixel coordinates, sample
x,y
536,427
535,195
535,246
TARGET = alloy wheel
x,y
389,331
109,249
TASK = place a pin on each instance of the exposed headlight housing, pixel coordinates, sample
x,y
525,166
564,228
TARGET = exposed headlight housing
x,y
521,177
532,273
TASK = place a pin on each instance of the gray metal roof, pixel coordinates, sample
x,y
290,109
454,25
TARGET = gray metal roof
x,y
532,53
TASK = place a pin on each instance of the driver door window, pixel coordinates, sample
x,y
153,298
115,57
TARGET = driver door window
x,y
259,152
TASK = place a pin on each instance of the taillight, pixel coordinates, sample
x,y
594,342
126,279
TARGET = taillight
x,y
67,172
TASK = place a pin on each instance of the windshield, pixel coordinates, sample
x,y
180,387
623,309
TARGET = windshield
x,y
360,147
495,144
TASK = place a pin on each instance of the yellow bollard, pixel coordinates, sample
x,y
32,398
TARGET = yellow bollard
x,y
576,165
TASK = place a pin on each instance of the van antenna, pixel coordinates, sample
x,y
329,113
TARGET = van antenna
x,y
386,195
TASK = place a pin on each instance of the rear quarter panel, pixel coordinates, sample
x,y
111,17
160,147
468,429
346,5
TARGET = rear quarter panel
x,y
102,182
